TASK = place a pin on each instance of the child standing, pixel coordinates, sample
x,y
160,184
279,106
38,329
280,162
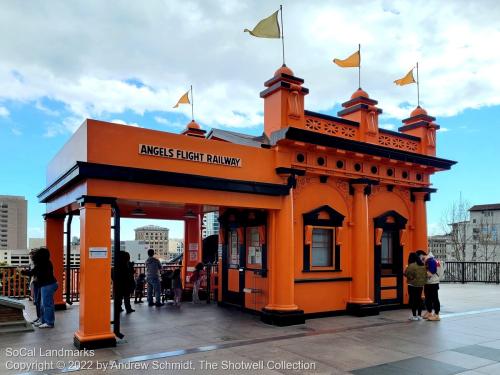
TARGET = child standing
x,y
177,285
139,287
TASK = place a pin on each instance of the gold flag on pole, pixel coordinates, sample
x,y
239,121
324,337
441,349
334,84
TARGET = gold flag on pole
x,y
267,28
406,80
352,61
183,100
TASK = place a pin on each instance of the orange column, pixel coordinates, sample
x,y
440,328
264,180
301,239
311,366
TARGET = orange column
x,y
54,237
281,309
95,278
420,220
360,287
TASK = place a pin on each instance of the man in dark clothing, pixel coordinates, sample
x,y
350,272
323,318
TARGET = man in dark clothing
x,y
124,279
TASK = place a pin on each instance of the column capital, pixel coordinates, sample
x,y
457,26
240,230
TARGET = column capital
x,y
98,201
363,183
54,216
425,193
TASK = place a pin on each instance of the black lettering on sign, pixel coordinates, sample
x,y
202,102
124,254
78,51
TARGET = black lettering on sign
x,y
173,153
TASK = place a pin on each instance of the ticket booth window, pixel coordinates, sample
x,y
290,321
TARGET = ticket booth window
x,y
322,247
234,250
322,240
254,246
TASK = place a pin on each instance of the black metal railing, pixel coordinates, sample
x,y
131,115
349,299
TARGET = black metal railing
x,y
471,272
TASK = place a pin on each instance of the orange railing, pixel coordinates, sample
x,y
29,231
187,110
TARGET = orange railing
x,y
13,284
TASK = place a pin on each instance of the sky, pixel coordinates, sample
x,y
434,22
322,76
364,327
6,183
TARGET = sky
x,y
129,62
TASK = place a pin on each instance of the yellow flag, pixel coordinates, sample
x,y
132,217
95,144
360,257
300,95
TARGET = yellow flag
x,y
352,61
267,28
183,100
406,80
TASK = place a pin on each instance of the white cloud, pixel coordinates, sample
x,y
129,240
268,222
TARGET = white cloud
x,y
443,129
172,124
91,56
4,112
16,131
118,121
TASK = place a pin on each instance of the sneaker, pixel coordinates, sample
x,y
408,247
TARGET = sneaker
x,y
434,318
419,317
414,318
37,323
130,311
45,325
159,304
426,315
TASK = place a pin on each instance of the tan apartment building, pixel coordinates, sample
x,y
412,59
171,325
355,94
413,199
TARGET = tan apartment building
x,y
155,237
13,222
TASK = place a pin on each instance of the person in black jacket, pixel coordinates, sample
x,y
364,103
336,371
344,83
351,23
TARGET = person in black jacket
x,y
43,273
124,279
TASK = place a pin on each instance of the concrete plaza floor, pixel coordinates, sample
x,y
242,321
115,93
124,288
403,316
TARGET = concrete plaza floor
x,y
203,339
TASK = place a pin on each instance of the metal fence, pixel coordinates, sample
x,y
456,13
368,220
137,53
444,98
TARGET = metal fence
x,y
471,272
15,285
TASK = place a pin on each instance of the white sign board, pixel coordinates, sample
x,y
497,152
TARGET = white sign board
x,y
193,246
98,252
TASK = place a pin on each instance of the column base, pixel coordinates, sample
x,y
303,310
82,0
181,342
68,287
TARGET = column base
x,y
362,309
282,318
96,343
60,306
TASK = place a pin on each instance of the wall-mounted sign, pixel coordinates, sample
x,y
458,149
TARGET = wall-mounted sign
x,y
201,157
98,252
193,246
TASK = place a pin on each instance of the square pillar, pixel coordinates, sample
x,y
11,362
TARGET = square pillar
x,y
54,237
192,246
281,309
95,278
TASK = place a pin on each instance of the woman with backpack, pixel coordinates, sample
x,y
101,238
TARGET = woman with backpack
x,y
416,276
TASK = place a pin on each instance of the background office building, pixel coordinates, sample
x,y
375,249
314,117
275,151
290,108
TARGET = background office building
x,y
155,237
210,224
13,222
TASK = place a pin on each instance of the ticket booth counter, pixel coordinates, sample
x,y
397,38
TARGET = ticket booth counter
x,y
244,258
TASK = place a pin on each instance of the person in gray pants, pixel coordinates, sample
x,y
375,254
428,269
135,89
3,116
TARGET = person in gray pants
x,y
153,270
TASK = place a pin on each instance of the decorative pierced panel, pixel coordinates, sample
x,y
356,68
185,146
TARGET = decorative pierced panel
x,y
398,143
330,128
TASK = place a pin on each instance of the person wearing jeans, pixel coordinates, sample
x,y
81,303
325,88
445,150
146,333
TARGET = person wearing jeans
x,y
47,305
416,276
431,289
43,275
153,268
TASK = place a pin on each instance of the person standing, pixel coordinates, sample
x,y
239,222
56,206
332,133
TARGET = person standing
x,y
35,289
43,272
124,279
416,276
431,289
195,279
153,272
177,286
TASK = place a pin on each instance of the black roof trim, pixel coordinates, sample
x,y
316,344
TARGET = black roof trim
x,y
355,108
84,170
331,118
278,85
307,136
416,125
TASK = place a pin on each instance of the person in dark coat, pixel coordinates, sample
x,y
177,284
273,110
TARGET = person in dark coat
x,y
124,279
43,273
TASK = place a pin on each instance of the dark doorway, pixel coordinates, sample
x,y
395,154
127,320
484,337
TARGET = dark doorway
x,y
388,259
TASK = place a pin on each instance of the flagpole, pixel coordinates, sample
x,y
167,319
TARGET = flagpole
x,y
359,67
192,103
418,88
282,34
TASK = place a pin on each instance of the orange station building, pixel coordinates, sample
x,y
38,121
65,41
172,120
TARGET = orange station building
x,y
317,215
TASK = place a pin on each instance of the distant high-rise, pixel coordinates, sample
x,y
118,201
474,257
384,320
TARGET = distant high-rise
x,y
210,224
13,222
155,237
